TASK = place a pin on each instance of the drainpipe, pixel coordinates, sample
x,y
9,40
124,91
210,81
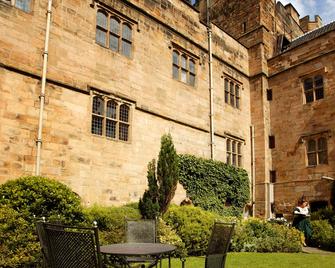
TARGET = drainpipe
x,y
210,67
253,169
42,93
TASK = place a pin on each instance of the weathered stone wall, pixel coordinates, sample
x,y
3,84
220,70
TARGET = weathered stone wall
x,y
292,121
102,170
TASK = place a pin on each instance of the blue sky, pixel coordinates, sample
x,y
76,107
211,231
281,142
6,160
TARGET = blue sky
x,y
324,8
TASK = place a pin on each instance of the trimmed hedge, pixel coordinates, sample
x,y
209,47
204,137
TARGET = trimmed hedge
x,y
22,202
214,185
38,197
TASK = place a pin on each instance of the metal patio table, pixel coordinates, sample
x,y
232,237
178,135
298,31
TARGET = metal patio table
x,y
120,253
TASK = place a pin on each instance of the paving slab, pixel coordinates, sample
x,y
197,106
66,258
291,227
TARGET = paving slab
x,y
316,251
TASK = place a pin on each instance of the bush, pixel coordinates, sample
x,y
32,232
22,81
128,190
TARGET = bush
x,y
148,204
255,235
41,197
324,214
167,235
111,221
214,185
162,182
18,241
323,235
193,225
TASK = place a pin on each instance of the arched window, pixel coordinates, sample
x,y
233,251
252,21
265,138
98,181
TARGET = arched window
x,y
111,122
175,65
183,74
110,118
226,90
183,67
237,96
228,150
101,29
126,39
97,115
234,152
322,151
23,5
114,34
191,80
124,125
232,92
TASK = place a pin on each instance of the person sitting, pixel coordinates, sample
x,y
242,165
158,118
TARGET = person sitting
x,y
301,219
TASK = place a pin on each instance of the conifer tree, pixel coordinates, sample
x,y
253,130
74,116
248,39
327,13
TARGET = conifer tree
x,y
148,204
167,172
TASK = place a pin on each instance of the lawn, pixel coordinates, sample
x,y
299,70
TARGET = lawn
x,y
265,260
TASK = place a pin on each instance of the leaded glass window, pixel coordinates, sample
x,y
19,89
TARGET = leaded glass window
x,y
24,5
183,68
317,151
126,40
234,152
110,118
232,93
101,31
114,33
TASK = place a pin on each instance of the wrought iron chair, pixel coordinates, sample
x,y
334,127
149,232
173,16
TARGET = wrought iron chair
x,y
76,247
219,244
141,231
43,242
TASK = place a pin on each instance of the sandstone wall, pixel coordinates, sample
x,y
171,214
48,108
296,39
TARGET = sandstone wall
x,y
99,169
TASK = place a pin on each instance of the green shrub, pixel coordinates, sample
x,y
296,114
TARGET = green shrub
x,y
323,235
193,225
41,197
255,235
111,221
162,181
148,204
214,185
324,214
18,241
167,235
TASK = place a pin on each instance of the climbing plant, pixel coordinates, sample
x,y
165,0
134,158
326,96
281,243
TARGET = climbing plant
x,y
214,185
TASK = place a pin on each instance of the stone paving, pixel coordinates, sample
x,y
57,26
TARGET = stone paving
x,y
316,251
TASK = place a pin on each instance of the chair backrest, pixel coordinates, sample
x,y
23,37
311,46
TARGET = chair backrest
x,y
219,244
72,246
43,242
141,231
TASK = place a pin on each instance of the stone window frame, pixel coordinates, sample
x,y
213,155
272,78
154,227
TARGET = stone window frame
x,y
316,150
124,33
114,118
28,4
234,152
232,92
184,66
313,87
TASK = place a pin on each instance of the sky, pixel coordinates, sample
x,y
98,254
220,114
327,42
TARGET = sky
x,y
324,8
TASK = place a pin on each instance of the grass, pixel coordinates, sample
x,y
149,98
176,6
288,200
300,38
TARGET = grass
x,y
264,260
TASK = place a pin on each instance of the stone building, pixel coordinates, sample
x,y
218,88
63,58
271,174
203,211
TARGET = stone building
x,y
120,74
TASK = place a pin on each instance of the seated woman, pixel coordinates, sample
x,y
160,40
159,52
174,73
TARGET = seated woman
x,y
301,219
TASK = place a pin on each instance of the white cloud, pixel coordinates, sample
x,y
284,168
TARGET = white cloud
x,y
324,8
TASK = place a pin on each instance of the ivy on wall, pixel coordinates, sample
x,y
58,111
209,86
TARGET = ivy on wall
x,y
214,185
